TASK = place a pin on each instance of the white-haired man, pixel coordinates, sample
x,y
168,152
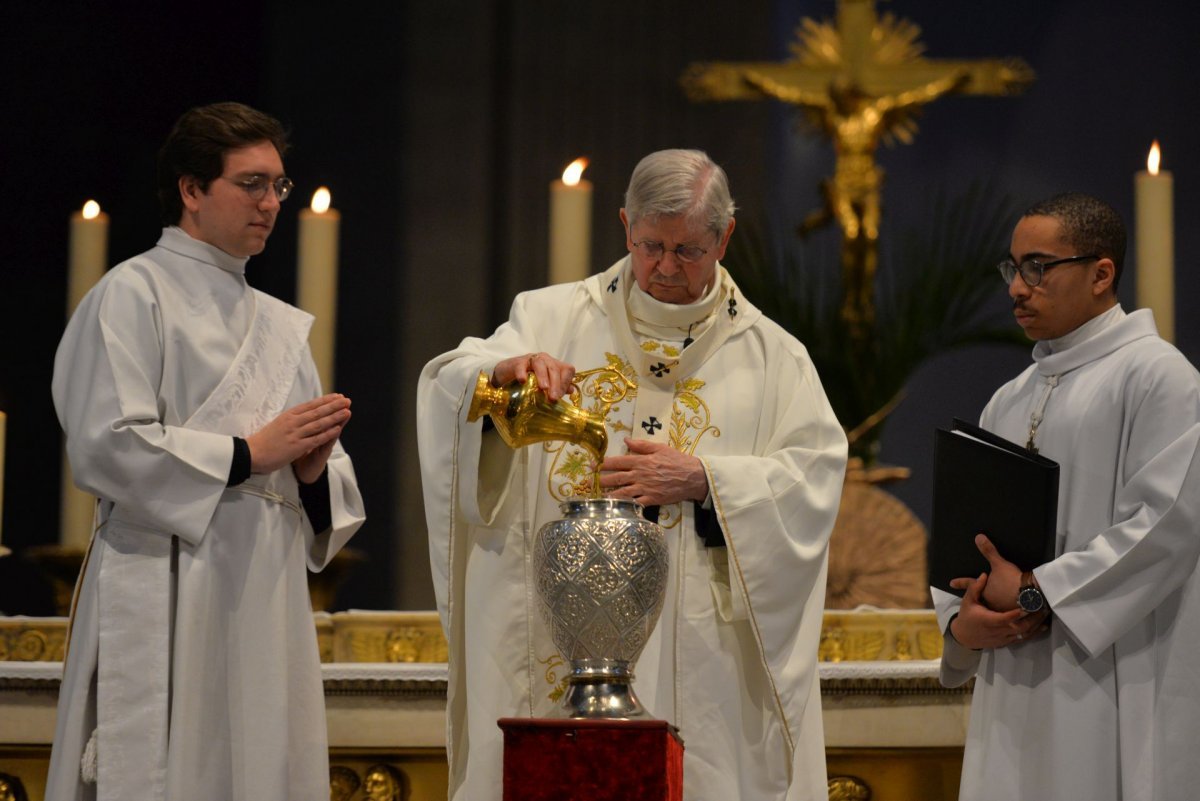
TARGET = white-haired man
x,y
728,437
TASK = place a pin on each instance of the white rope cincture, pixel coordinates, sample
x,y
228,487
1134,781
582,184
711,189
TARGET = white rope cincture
x,y
266,494
87,763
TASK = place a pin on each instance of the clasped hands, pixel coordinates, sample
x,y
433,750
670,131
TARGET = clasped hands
x,y
651,473
989,616
303,436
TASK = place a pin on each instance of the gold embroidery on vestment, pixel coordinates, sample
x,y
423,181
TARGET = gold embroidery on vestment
x,y
572,468
559,686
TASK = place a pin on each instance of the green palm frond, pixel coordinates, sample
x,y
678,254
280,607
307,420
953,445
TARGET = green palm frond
x,y
931,296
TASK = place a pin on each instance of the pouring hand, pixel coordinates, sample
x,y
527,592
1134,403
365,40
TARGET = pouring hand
x,y
554,377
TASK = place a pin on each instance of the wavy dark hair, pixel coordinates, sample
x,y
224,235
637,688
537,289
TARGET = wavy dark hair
x,y
198,143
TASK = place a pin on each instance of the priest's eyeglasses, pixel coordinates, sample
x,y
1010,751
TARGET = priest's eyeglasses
x,y
684,253
256,186
1031,270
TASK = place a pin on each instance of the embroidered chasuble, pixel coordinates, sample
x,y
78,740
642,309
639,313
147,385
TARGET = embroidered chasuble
x,y
192,666
732,661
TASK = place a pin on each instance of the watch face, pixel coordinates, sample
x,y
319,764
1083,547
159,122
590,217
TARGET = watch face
x,y
1030,599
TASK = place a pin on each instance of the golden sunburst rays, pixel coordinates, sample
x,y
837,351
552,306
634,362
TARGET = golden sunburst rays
x,y
893,40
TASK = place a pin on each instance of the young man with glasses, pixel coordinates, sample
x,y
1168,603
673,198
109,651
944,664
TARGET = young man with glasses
x,y
193,411
1085,667
728,440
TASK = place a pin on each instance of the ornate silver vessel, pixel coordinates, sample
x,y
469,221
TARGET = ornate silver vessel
x,y
601,574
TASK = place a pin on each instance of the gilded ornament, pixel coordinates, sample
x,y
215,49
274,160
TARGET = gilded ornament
x,y
860,81
848,788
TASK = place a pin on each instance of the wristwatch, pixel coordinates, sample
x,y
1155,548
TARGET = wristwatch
x,y
1029,597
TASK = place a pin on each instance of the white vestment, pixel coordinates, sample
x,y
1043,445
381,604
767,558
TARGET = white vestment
x,y
193,654
1107,704
733,659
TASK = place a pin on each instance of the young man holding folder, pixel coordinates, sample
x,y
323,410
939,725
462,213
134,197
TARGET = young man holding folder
x,y
1085,667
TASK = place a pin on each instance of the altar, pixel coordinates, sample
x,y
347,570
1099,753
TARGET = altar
x,y
891,731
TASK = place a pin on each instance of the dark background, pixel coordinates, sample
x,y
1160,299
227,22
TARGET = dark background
x,y
438,127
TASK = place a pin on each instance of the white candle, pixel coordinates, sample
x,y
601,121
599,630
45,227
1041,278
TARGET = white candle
x,y
88,261
1154,211
570,225
316,291
88,252
3,425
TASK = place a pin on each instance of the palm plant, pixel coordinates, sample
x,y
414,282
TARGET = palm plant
x,y
930,297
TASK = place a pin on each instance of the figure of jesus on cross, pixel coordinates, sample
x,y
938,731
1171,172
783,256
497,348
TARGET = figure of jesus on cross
x,y
861,82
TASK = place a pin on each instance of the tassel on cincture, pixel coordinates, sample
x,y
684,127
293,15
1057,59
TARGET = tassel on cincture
x,y
87,763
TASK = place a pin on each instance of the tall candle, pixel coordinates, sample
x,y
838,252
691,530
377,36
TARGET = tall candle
x,y
317,281
570,225
3,425
1154,211
88,252
88,261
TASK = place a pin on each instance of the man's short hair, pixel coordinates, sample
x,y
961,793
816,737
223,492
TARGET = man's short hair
x,y
680,183
1089,225
198,143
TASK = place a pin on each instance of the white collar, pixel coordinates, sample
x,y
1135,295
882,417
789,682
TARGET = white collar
x,y
181,243
1101,322
648,309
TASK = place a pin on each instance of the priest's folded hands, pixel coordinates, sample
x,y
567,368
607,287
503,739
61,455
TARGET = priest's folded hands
x,y
302,436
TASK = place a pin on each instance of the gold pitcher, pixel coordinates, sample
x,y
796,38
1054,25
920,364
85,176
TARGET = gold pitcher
x,y
524,415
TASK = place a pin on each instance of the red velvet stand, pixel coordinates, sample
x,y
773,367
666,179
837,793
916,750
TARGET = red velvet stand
x,y
591,760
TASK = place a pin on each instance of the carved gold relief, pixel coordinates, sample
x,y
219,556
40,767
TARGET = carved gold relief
x,y
383,783
379,782
32,639
11,788
324,636
839,645
846,636
930,642
343,783
848,788
388,637
869,635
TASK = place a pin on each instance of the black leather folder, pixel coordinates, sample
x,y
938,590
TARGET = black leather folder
x,y
984,483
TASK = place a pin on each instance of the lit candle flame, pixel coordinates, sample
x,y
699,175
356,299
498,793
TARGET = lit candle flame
x,y
321,200
574,171
91,210
1153,159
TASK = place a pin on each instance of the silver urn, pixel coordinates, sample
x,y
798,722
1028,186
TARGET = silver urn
x,y
601,576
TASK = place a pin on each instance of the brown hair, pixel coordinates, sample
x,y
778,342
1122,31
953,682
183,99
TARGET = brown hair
x,y
198,143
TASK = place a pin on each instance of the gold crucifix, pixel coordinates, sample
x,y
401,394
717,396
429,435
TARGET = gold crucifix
x,y
861,81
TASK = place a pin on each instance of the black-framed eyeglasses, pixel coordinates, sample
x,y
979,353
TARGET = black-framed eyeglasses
x,y
684,253
1031,270
256,186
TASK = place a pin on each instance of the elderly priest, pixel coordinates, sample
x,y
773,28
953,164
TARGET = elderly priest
x,y
728,433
